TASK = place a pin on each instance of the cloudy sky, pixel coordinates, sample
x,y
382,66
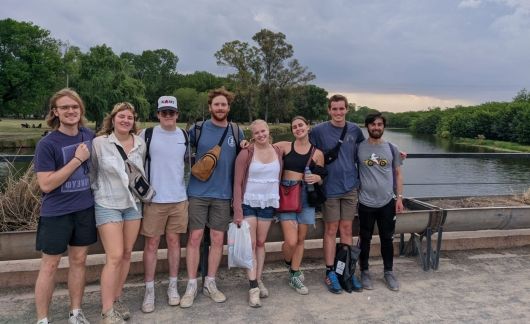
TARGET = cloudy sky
x,y
386,54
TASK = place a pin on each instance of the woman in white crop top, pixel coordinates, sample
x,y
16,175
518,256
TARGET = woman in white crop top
x,y
256,195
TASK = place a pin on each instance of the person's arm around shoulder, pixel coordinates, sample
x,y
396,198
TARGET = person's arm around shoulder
x,y
239,171
51,180
284,147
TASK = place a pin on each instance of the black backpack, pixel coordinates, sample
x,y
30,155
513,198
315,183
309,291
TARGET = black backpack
x,y
346,257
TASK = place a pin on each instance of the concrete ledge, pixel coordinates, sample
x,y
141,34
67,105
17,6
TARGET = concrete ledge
x,y
16,273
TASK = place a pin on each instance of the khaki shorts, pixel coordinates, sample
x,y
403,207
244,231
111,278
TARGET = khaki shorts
x,y
211,212
340,208
165,218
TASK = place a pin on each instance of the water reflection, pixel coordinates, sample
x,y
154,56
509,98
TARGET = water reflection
x,y
434,177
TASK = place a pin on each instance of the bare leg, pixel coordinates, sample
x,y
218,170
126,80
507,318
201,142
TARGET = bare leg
x,y
345,230
76,274
252,221
330,234
173,253
299,250
216,251
150,257
192,252
45,284
261,237
130,233
111,235
290,237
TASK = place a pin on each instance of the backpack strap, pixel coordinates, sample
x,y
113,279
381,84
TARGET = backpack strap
x,y
236,136
148,135
198,127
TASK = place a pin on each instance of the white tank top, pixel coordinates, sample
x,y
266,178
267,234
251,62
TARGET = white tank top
x,y
262,185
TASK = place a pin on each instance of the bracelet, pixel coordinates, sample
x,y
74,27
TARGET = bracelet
x,y
75,157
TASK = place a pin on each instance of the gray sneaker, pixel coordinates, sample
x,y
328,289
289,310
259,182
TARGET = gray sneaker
x,y
210,290
78,319
122,309
111,317
391,281
263,291
366,280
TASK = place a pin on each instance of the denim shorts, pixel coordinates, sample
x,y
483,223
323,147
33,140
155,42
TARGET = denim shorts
x,y
264,214
110,215
307,215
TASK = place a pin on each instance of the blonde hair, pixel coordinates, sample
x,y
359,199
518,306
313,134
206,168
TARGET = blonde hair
x,y
108,126
256,122
53,121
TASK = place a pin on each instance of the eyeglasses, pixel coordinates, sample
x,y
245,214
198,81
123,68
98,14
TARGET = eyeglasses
x,y
166,113
68,107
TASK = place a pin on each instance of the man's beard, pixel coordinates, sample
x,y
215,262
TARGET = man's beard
x,y
374,135
214,116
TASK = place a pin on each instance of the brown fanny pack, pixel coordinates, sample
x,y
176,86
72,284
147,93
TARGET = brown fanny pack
x,y
204,167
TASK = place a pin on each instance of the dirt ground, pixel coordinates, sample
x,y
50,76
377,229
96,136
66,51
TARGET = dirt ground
x,y
482,286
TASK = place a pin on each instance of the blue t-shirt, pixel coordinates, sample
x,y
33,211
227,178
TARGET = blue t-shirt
x,y
342,173
54,151
219,185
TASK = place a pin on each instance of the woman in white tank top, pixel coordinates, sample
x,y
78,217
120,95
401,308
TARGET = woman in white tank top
x,y
256,196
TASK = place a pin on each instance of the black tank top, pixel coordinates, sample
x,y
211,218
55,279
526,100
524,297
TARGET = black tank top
x,y
294,161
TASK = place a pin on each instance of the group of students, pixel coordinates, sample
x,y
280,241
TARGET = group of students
x,y
85,192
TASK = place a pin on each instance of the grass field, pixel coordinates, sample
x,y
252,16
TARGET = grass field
x,y
495,145
13,135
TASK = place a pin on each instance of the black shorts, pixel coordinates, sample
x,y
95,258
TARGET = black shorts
x,y
55,234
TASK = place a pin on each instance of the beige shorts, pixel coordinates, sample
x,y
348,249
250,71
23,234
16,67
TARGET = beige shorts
x,y
165,218
340,208
211,212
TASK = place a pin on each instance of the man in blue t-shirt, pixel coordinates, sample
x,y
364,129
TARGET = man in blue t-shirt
x,y
209,201
338,139
66,219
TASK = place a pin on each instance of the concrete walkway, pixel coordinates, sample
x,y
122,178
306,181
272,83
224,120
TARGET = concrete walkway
x,y
480,286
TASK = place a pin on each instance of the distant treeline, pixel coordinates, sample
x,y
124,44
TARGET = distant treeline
x,y
504,121
268,81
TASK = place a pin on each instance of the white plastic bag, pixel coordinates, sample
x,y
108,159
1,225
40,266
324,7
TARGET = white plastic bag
x,y
239,246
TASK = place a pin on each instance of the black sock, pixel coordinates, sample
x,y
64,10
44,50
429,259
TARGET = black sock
x,y
293,271
287,263
329,268
253,283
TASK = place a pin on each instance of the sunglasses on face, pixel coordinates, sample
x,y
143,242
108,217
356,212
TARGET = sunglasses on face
x,y
166,113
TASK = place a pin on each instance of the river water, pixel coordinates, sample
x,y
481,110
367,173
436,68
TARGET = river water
x,y
435,177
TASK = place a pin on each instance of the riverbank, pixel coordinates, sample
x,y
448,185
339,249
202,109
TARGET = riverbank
x,y
500,146
14,135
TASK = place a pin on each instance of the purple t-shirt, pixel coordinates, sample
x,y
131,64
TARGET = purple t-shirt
x,y
54,151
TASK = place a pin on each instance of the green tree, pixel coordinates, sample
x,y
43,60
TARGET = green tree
x,y
104,80
157,70
311,102
30,61
266,72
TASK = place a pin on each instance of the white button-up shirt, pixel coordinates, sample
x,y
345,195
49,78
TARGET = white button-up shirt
x,y
110,182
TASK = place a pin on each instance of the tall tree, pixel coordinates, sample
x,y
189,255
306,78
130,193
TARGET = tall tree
x,y
266,69
105,80
30,60
156,69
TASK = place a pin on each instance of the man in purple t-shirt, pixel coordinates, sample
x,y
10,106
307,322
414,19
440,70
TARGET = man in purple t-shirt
x,y
66,219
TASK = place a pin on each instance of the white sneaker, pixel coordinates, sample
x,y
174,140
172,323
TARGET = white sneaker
x,y
253,297
79,319
263,291
173,297
148,306
189,296
210,290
